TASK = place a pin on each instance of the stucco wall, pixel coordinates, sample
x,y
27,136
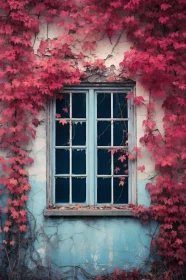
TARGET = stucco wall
x,y
97,244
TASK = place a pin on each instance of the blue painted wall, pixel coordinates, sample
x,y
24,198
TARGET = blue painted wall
x,y
97,244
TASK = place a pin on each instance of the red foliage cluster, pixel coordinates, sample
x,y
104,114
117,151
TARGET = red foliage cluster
x,y
158,58
124,275
27,81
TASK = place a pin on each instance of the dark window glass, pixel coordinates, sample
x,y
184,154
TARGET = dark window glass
x,y
63,106
78,105
103,105
62,161
62,134
104,162
78,133
120,192
120,165
78,190
104,133
120,133
78,161
119,106
104,190
62,190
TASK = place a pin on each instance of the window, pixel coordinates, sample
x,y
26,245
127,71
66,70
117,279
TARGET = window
x,y
89,143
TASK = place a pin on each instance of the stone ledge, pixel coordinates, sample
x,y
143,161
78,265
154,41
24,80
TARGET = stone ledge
x,y
86,213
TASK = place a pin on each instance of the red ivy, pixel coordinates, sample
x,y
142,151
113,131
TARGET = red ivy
x,y
158,58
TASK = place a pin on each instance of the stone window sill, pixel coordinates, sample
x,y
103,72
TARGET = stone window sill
x,y
87,213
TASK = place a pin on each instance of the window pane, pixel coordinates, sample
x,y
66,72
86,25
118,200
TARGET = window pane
x,y
63,105
120,163
62,161
78,162
62,134
120,133
104,162
120,192
104,190
62,190
78,133
78,190
78,105
104,133
103,105
119,105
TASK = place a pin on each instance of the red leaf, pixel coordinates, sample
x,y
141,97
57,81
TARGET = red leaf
x,y
116,271
23,213
22,228
6,229
165,6
139,100
116,170
35,122
65,110
130,96
122,158
131,157
13,182
121,183
141,168
63,122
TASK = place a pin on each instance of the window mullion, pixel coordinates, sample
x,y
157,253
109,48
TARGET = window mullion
x,y
91,148
112,143
70,179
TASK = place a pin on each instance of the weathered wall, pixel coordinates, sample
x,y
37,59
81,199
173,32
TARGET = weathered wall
x,y
97,244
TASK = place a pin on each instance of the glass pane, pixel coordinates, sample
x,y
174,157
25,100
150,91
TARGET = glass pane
x,y
78,190
78,105
79,161
103,105
104,190
119,105
120,133
62,190
78,133
104,162
63,106
120,163
62,134
104,133
120,192
62,161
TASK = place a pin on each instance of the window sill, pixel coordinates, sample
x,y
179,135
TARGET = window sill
x,y
86,213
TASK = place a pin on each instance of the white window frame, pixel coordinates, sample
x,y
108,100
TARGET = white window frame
x,y
91,187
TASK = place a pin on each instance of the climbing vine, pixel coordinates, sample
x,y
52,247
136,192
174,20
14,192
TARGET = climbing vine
x,y
157,59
